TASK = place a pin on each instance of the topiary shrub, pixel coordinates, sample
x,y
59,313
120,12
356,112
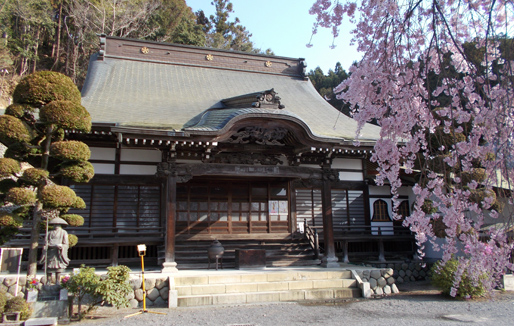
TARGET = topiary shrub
x,y
79,203
18,304
3,301
73,219
78,172
10,220
13,130
9,166
70,151
18,110
22,152
21,196
72,240
443,277
55,196
66,115
43,87
34,176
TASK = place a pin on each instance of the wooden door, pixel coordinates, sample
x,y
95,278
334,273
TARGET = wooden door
x,y
232,207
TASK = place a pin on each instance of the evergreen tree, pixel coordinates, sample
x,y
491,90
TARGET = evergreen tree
x,y
39,146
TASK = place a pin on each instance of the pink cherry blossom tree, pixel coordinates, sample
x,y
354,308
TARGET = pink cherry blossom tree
x,y
438,77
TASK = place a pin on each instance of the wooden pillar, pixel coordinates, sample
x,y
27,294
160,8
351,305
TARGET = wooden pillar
x,y
167,170
329,259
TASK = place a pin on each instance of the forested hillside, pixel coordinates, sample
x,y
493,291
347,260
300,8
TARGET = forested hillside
x,y
61,35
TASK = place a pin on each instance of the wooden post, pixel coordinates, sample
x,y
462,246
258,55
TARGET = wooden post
x,y
329,259
168,171
381,253
345,252
169,264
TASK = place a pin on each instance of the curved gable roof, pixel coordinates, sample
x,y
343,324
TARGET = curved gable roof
x,y
180,88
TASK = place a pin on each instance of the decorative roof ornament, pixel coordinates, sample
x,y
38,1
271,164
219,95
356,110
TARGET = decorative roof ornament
x,y
145,50
209,57
264,100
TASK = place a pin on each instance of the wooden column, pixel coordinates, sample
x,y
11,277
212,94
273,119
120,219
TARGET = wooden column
x,y
167,170
329,258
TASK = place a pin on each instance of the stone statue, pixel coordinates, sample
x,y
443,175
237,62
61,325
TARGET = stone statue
x,y
56,253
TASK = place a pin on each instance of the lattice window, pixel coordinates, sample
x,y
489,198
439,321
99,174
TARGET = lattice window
x,y
380,211
403,209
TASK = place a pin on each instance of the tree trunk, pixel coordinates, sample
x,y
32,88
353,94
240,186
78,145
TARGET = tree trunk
x,y
56,50
36,46
34,240
36,217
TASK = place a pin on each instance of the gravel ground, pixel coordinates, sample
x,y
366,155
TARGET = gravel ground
x,y
416,304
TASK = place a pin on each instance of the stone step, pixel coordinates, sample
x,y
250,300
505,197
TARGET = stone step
x,y
272,296
238,287
262,277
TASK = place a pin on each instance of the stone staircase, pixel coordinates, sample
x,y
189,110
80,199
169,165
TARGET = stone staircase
x,y
289,252
291,285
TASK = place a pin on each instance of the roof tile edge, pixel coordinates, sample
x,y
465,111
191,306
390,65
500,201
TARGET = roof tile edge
x,y
178,54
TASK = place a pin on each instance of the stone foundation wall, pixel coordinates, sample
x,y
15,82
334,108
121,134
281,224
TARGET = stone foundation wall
x,y
381,281
407,271
157,292
8,284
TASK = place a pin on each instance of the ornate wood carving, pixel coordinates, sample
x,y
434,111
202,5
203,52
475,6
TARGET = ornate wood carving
x,y
259,135
265,100
165,169
247,158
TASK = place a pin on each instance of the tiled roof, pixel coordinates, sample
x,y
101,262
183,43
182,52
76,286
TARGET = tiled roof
x,y
154,94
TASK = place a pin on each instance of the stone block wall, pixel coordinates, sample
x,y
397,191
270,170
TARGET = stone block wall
x,y
8,284
407,271
381,281
157,292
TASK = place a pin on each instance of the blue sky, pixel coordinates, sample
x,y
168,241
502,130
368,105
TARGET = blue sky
x,y
285,26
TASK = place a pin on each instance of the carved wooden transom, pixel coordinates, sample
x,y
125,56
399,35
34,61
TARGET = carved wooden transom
x,y
259,135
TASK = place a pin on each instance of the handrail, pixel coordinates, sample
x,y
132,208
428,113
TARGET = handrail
x,y
312,236
99,232
367,231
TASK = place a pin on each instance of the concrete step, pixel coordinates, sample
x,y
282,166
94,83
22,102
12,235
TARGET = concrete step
x,y
271,296
238,287
263,276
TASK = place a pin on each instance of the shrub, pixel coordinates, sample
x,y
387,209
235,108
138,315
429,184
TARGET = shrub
x,y
116,288
70,151
10,220
443,278
16,304
21,196
3,301
55,196
73,219
72,240
113,289
17,110
81,284
80,172
34,176
79,203
66,115
9,166
43,87
13,130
